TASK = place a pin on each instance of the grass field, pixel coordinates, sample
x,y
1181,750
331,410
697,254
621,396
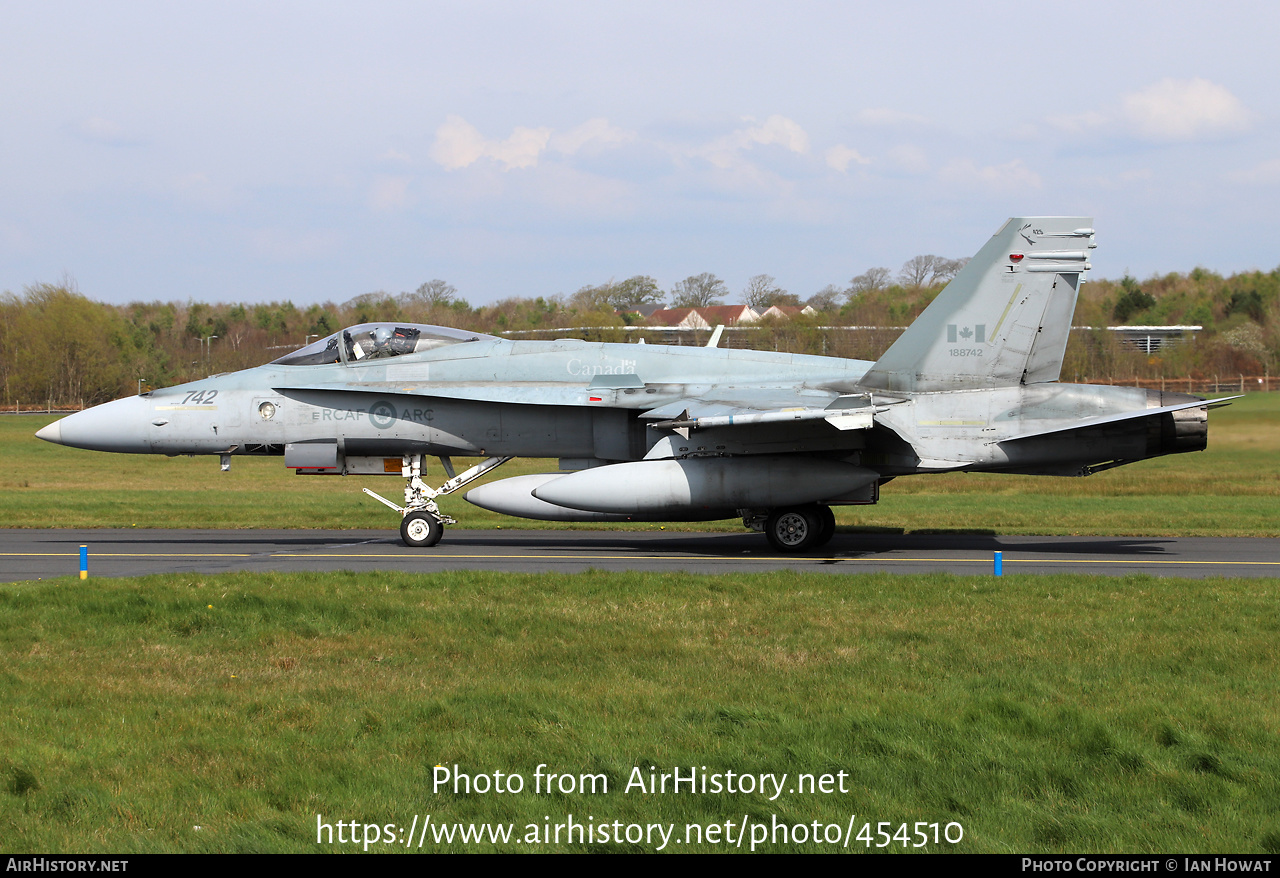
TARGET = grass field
x,y
1231,489
1042,714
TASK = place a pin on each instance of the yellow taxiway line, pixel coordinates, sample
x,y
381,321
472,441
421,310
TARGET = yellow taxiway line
x,y
592,557
634,557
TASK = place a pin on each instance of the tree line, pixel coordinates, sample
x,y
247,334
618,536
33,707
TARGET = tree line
x,y
762,290
59,346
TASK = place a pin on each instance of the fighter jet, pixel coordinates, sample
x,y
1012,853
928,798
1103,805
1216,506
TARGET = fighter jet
x,y
662,433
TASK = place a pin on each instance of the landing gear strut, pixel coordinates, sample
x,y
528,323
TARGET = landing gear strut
x,y
423,523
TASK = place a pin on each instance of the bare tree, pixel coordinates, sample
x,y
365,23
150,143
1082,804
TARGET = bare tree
x,y
593,297
698,291
434,293
638,290
826,299
760,291
926,271
610,296
945,269
868,282
917,270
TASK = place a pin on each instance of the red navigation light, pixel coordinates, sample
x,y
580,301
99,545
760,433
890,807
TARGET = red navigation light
x,y
1015,257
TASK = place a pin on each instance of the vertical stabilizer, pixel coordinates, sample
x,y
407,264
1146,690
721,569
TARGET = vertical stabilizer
x,y
1003,320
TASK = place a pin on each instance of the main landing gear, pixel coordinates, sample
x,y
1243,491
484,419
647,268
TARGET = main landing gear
x,y
423,523
798,528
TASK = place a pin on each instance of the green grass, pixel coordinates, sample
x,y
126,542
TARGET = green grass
x,y
1043,714
1231,489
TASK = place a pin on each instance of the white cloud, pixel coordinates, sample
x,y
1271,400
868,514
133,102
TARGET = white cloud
x,y
1168,110
841,156
591,135
779,130
776,130
458,144
1011,176
1174,109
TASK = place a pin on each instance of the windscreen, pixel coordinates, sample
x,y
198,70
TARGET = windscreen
x,y
318,353
374,341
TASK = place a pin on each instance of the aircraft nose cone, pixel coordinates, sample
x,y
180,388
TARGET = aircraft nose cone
x,y
114,426
51,433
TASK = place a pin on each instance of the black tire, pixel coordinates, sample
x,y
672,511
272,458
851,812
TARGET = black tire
x,y
827,528
420,530
793,528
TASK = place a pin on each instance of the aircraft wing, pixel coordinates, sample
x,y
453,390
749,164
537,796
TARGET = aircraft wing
x,y
714,406
678,400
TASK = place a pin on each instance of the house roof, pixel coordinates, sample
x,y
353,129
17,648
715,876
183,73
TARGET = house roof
x,y
709,316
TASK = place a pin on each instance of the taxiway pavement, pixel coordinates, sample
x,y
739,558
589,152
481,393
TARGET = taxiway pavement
x,y
43,554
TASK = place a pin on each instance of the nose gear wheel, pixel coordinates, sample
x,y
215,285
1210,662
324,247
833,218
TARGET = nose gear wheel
x,y
420,529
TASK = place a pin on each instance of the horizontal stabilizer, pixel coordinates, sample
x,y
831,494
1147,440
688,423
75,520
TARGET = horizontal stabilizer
x,y
1124,416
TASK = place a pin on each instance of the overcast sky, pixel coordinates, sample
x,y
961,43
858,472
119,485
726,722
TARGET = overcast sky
x,y
311,151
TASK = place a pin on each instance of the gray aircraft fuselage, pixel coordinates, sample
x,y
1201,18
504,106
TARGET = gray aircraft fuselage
x,y
554,399
656,432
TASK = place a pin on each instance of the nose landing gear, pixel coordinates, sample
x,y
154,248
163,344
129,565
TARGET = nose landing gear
x,y
423,523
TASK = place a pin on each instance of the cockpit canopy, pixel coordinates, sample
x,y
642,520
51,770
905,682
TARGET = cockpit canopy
x,y
371,341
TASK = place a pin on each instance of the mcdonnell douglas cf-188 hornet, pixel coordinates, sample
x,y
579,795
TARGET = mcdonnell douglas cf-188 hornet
x,y
658,433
